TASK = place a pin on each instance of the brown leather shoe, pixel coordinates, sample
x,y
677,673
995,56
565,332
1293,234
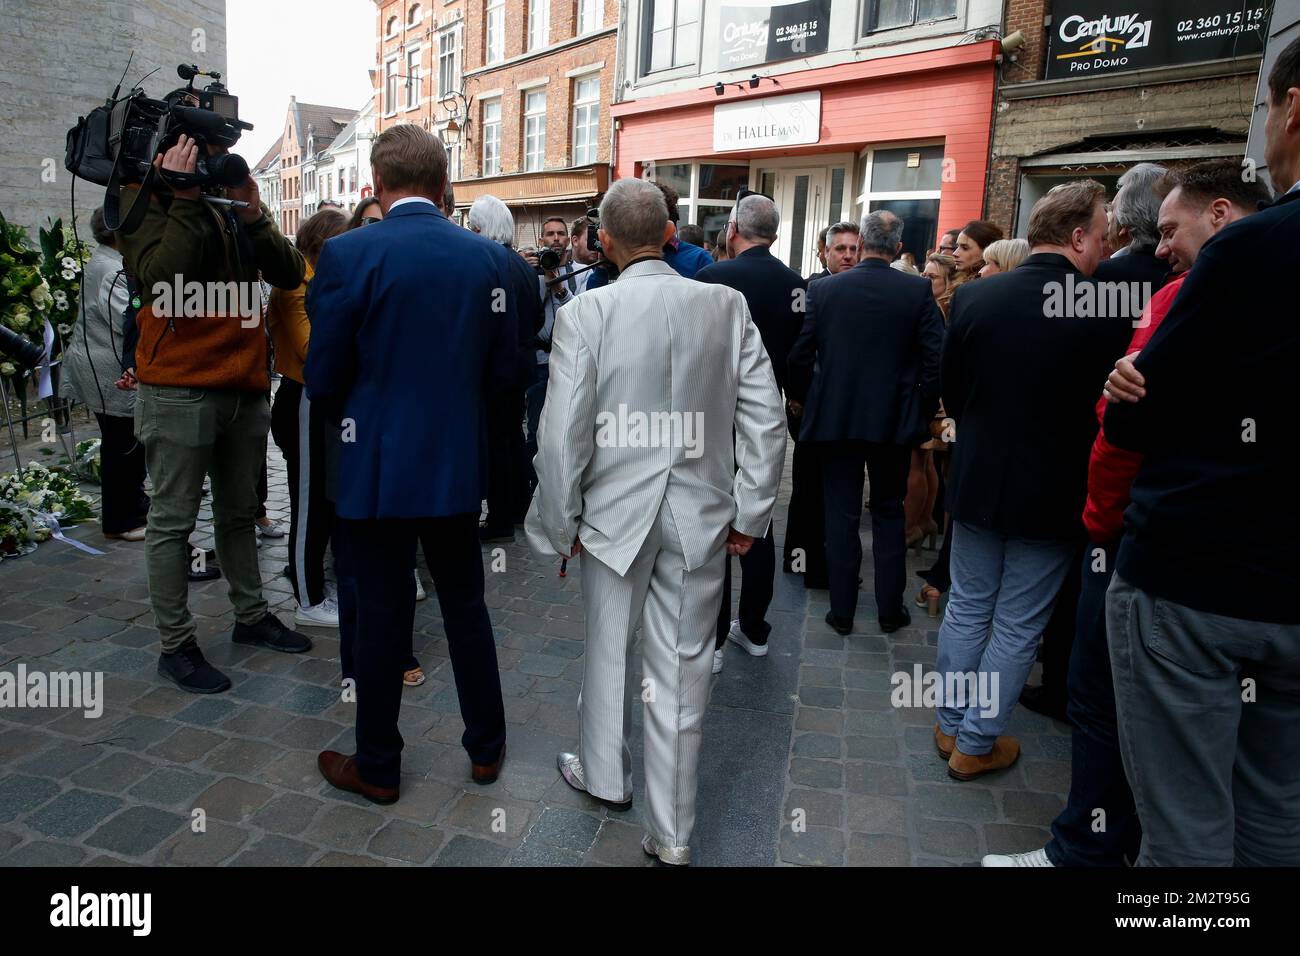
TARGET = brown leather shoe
x,y
1005,752
341,771
485,773
944,743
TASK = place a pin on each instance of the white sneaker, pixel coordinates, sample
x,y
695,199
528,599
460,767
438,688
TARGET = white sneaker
x,y
419,588
717,661
324,614
272,529
1032,858
737,637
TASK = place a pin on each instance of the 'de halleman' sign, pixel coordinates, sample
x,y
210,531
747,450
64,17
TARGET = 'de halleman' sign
x,y
1100,37
761,31
790,120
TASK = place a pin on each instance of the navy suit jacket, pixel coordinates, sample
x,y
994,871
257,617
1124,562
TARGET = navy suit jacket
x,y
413,321
769,287
866,365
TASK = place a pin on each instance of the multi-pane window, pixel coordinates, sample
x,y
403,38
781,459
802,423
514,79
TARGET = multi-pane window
x,y
412,79
889,14
586,119
448,62
534,130
390,87
491,137
670,36
589,15
495,40
539,23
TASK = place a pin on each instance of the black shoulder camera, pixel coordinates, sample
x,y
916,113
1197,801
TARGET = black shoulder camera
x,y
593,230
116,144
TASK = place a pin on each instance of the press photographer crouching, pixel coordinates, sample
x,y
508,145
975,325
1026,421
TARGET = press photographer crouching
x,y
203,366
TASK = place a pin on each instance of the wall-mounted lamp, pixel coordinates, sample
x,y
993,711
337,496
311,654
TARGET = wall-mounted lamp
x,y
752,83
458,124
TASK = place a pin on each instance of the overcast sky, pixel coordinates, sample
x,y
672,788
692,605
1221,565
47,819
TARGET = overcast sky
x,y
316,50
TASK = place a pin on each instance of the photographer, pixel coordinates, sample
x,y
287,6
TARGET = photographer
x,y
92,366
203,404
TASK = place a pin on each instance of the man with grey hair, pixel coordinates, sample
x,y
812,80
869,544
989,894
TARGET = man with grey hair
x,y
866,371
774,294
508,472
1133,234
637,472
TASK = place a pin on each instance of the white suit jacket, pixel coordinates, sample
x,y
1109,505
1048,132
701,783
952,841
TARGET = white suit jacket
x,y
649,377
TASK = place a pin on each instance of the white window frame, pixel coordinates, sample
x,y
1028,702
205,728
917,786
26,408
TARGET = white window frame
x,y
413,79
866,160
454,78
494,40
491,137
534,156
645,46
591,15
593,145
412,21
390,86
943,25
539,24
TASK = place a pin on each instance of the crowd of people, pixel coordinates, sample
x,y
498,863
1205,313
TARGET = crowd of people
x,y
1100,481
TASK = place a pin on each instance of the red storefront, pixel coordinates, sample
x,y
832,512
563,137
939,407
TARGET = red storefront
x,y
909,133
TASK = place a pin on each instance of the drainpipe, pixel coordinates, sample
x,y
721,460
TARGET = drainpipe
x,y
619,44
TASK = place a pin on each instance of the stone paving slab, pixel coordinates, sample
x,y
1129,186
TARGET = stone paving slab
x,y
164,778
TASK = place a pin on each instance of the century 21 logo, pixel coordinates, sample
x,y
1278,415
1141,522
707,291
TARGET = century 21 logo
x,y
1105,35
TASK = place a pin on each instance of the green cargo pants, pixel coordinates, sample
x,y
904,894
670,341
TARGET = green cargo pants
x,y
188,433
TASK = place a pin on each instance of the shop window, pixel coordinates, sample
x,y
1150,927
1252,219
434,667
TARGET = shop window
x,y
907,181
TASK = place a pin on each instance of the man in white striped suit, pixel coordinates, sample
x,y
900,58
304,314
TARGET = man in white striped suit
x,y
636,470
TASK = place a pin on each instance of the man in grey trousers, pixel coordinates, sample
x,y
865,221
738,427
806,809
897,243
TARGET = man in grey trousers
x,y
636,471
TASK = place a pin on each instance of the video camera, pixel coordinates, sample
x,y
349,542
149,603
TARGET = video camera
x,y
19,348
116,143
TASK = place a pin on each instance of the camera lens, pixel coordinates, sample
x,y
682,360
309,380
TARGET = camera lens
x,y
22,350
225,169
548,259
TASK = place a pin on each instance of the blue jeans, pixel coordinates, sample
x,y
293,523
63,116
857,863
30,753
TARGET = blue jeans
x,y
1003,589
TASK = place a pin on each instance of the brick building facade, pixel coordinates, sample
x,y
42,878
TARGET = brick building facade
x,y
519,91
1048,130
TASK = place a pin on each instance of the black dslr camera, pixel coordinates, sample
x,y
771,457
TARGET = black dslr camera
x,y
593,231
116,144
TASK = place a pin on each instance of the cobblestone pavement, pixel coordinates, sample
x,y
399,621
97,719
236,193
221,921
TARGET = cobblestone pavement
x,y
805,761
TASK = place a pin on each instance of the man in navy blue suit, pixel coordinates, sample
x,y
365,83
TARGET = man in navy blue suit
x,y
413,321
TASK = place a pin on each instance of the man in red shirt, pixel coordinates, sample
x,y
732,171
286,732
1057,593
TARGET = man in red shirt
x,y
1099,825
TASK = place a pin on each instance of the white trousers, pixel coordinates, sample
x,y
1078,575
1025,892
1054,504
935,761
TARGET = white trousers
x,y
677,610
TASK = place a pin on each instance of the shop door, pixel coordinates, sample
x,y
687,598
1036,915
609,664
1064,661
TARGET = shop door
x,y
801,196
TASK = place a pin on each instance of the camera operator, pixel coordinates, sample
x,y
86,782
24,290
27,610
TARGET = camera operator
x,y
203,406
555,294
91,367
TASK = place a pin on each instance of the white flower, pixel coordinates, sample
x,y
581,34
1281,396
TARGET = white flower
x,y
64,328
7,368
36,499
61,305
68,262
60,295
68,274
41,297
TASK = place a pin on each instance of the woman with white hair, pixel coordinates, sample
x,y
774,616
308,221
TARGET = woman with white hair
x,y
508,494
1003,256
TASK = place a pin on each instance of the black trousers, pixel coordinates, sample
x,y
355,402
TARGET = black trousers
x,y
887,466
759,568
125,506
1058,635
299,430
345,572
383,554
805,525
1097,780
507,495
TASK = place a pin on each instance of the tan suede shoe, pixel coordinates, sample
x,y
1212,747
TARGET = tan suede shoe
x,y
944,743
1005,752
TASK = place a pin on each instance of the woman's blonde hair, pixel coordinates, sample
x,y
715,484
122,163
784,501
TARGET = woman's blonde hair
x,y
1006,254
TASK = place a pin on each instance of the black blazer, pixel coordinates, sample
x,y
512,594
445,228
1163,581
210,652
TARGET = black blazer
x,y
866,365
528,302
1135,267
774,293
1022,385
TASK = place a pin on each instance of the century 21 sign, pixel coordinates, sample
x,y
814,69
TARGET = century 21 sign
x,y
1100,37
